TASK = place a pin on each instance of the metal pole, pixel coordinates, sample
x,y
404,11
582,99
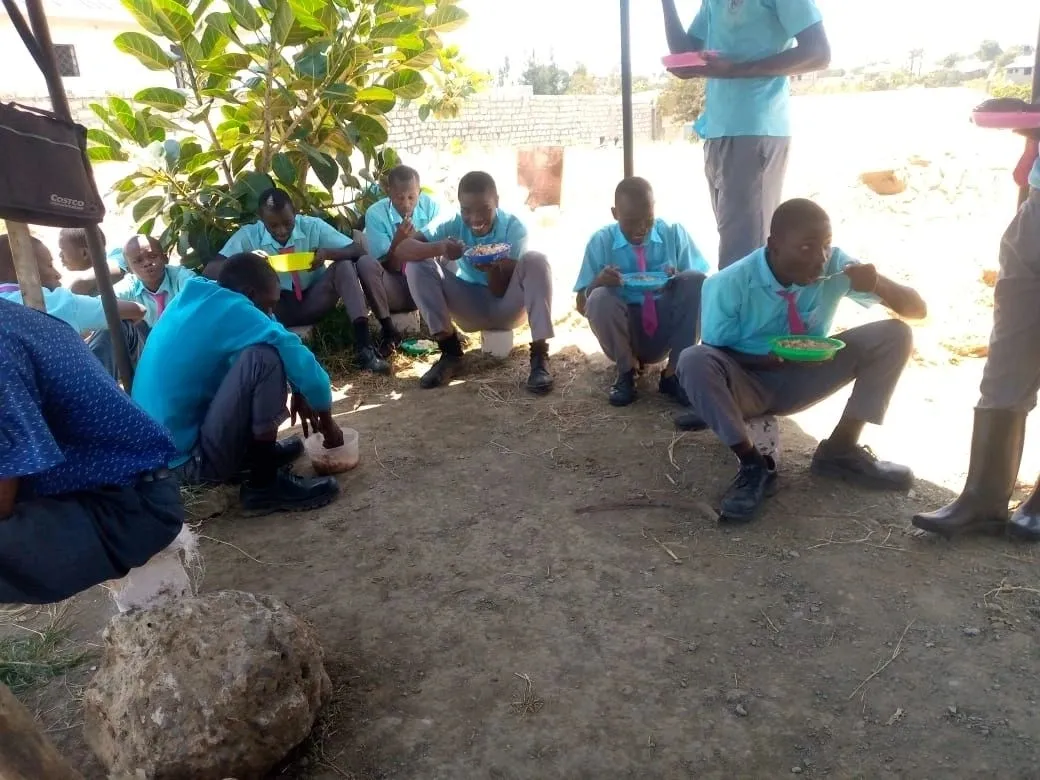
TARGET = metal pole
x,y
60,106
1024,192
28,273
626,88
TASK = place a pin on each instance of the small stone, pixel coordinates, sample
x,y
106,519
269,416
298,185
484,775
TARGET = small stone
x,y
740,710
951,710
735,696
929,644
796,770
971,631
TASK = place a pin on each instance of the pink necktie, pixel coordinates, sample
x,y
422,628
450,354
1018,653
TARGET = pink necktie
x,y
649,306
795,323
160,302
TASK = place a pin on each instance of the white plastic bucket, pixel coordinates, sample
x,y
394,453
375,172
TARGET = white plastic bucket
x,y
497,343
406,322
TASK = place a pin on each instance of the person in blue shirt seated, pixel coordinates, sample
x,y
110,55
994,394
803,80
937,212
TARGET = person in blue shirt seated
x,y
793,286
750,53
152,282
308,296
85,313
404,213
84,492
75,258
636,328
1010,382
479,296
216,372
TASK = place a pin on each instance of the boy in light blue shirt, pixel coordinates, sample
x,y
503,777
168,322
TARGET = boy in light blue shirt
x,y
308,296
498,295
79,270
216,373
153,282
405,212
747,45
635,328
1010,381
792,287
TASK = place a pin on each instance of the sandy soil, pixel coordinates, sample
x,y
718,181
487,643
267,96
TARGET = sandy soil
x,y
514,587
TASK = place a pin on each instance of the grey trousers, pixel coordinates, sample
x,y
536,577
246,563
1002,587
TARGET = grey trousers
x,y
724,394
339,283
618,326
746,180
443,297
52,548
134,334
250,402
387,291
1011,377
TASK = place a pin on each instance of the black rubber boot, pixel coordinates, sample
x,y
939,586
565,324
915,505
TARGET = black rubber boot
x,y
1025,522
996,451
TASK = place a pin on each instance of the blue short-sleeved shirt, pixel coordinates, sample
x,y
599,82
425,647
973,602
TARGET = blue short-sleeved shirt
x,y
745,30
1034,175
309,234
191,348
741,310
506,229
116,255
382,219
131,288
667,245
82,312
64,423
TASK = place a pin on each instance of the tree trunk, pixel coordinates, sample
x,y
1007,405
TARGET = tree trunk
x,y
25,753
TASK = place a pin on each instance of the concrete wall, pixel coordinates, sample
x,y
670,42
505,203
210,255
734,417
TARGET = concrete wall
x,y
509,118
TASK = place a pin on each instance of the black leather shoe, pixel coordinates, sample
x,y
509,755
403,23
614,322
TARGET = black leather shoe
x,y
389,341
623,391
442,372
539,381
860,466
669,386
689,421
289,493
1025,522
748,490
288,450
369,360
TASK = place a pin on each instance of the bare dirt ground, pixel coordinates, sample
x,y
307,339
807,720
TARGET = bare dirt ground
x,y
514,587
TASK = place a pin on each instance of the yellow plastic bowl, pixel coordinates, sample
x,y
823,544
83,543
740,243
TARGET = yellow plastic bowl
x,y
297,261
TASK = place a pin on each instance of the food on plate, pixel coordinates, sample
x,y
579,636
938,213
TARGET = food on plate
x,y
805,343
427,345
487,250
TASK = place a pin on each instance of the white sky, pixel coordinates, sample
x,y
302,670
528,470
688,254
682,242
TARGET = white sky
x,y
861,31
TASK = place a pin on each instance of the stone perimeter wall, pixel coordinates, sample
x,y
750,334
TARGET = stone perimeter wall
x,y
516,118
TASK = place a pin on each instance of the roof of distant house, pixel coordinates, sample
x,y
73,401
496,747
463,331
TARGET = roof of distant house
x,y
1025,61
82,9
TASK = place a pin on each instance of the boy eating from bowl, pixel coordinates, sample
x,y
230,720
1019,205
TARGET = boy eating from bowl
x,y
634,327
307,296
479,295
792,287
216,373
405,212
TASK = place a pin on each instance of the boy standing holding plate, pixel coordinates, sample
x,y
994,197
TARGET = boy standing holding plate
x,y
497,295
633,326
793,286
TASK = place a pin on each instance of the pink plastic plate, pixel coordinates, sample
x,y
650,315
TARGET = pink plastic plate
x,y
1007,120
688,59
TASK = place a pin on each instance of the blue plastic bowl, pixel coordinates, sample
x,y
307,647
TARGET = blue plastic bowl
x,y
645,281
488,253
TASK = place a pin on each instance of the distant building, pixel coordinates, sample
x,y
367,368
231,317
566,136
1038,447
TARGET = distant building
x,y
1020,70
89,63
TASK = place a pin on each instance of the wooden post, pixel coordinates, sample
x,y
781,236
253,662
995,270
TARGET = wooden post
x,y
25,752
25,267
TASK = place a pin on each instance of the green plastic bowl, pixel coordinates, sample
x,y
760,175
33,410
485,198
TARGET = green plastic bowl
x,y
806,349
418,347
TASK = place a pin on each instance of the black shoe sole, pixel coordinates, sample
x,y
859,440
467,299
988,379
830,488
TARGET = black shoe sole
x,y
540,389
307,505
1020,534
994,527
858,480
771,490
622,402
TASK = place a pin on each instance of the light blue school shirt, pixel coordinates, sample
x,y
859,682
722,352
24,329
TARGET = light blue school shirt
x,y
745,30
309,234
82,312
130,288
382,219
1034,175
117,256
506,229
741,310
667,245
191,349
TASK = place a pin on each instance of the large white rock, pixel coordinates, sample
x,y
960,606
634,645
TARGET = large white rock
x,y
210,687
